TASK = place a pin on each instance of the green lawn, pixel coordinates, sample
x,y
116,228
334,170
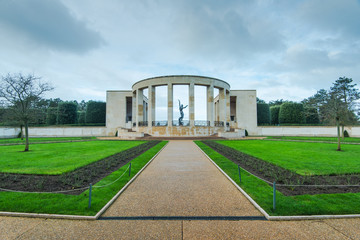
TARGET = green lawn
x,y
320,139
302,157
58,158
45,139
75,204
262,193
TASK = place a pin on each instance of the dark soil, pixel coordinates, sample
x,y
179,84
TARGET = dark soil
x,y
79,178
274,173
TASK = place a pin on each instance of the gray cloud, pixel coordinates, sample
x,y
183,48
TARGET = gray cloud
x,y
284,49
335,16
224,32
49,23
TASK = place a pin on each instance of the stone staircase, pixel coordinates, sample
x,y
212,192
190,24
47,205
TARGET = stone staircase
x,y
211,137
234,134
125,133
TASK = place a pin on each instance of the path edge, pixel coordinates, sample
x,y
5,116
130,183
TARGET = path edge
x,y
81,217
278,218
257,206
127,185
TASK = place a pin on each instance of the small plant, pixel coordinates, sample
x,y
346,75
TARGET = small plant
x,y
348,179
40,184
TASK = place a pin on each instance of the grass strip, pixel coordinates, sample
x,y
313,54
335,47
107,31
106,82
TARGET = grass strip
x,y
75,204
304,158
262,193
44,139
58,158
317,139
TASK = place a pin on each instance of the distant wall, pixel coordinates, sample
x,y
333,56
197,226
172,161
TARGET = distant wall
x,y
317,131
7,132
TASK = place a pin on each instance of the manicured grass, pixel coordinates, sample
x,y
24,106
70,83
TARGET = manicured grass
x,y
302,157
75,204
51,139
320,139
262,193
58,158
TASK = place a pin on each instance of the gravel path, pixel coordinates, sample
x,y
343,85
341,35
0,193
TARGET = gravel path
x,y
181,181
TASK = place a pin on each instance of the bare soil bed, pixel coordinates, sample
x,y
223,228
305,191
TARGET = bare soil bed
x,y
79,178
271,173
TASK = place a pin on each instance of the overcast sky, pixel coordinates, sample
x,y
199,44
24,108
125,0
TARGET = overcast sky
x,y
283,49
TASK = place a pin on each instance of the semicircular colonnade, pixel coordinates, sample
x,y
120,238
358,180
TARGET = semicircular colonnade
x,y
169,82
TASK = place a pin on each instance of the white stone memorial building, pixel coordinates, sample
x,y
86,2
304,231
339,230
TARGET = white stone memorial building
x,y
131,114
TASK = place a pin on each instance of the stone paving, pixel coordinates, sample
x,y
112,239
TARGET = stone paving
x,y
179,182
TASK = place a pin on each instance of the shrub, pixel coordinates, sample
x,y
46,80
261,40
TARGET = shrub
x,y
95,112
274,114
51,115
81,119
246,133
312,116
291,113
67,113
263,113
37,116
346,134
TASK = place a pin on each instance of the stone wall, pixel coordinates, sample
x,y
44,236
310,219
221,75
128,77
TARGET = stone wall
x,y
56,132
317,131
7,132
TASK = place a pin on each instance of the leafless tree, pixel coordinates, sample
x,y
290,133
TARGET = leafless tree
x,y
20,93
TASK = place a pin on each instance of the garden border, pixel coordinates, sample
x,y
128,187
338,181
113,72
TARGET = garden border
x,y
278,218
80,217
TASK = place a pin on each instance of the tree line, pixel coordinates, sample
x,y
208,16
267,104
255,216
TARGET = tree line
x,y
22,104
48,112
27,104
337,106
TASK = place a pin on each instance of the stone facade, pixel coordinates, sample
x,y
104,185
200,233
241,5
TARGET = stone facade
x,y
229,111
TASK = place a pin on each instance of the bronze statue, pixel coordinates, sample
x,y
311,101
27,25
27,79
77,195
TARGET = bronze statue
x,y
181,107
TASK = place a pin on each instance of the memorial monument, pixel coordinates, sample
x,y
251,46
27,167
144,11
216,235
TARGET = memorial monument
x,y
229,112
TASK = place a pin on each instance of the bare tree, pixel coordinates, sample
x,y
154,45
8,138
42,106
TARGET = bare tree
x,y
21,93
335,109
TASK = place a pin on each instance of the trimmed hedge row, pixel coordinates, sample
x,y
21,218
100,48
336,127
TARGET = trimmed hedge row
x,y
286,113
263,113
291,113
95,112
274,114
67,113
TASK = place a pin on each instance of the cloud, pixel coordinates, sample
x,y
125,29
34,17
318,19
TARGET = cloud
x,y
223,33
334,16
284,49
49,23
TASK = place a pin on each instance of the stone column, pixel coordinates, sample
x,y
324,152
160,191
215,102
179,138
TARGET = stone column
x,y
133,113
228,107
151,105
192,104
170,104
222,105
238,111
139,106
210,104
